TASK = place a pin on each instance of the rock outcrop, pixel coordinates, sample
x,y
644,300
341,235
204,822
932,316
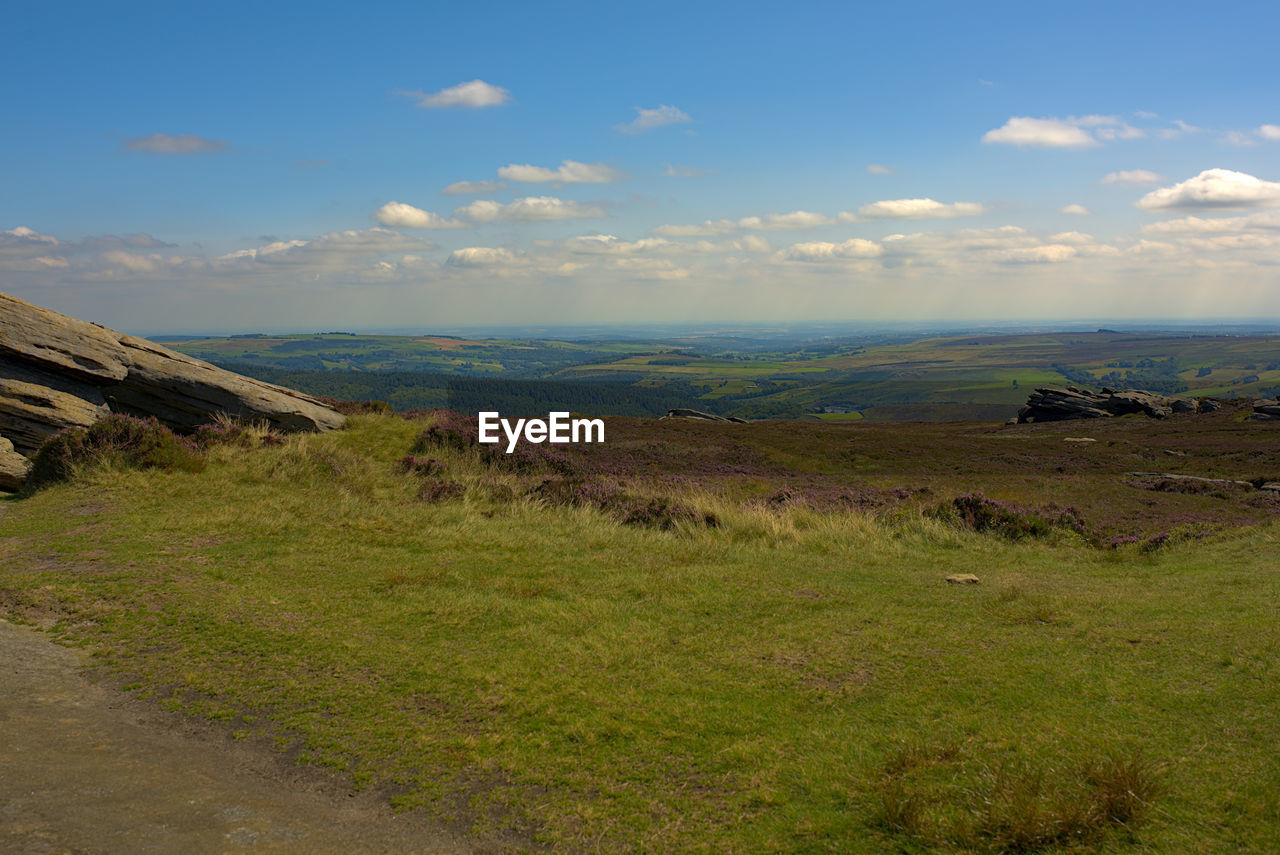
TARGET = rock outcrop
x,y
1055,404
1266,410
58,372
13,466
698,414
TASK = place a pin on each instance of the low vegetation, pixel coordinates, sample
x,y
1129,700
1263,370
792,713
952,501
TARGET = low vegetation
x,y
698,637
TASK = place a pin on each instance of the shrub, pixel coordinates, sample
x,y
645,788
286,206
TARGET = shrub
x,y
976,512
356,408
116,438
440,490
225,430
425,466
653,512
461,433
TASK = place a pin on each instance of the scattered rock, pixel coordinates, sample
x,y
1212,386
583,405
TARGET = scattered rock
x,y
962,579
13,467
1266,409
698,414
57,372
1051,404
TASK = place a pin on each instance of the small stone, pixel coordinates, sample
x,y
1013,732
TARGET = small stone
x,y
962,579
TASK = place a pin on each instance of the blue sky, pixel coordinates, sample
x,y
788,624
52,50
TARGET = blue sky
x,y
238,166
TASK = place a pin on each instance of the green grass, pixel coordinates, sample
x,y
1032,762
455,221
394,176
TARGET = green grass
x,y
741,689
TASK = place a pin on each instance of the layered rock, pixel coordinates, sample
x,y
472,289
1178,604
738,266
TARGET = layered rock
x,y
13,466
1266,409
58,372
1054,404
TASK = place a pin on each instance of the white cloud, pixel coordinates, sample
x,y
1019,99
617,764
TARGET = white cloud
x,y
1047,254
879,169
179,144
1269,132
918,209
569,172
1152,247
1214,188
331,249
1044,133
1076,210
47,261
1179,129
656,118
785,222
482,256
611,245
1132,176
825,251
1195,225
1238,138
472,95
1072,238
400,215
22,235
132,261
473,188
675,170
528,209
707,228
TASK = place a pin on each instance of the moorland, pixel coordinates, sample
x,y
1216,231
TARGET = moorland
x,y
704,636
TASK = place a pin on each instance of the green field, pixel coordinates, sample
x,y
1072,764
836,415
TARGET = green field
x,y
798,678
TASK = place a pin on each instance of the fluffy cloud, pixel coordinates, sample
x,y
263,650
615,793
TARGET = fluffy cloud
x,y
569,172
473,188
400,215
768,223
611,245
879,169
25,237
328,248
646,120
1025,131
1047,254
1132,176
470,95
818,251
1263,220
785,222
1269,132
918,209
1214,188
707,228
528,209
179,144
482,256
1075,210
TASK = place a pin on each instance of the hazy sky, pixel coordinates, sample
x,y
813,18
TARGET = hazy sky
x,y
281,166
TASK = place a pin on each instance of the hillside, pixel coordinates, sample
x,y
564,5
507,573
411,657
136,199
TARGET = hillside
x,y
710,637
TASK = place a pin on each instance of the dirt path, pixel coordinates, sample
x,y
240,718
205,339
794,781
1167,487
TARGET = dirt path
x,y
86,769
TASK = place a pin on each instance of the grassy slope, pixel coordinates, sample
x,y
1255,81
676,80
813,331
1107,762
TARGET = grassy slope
x,y
735,689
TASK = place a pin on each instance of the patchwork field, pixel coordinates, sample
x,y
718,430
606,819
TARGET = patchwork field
x,y
954,378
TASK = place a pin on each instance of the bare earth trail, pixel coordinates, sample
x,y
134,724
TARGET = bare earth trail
x,y
85,768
